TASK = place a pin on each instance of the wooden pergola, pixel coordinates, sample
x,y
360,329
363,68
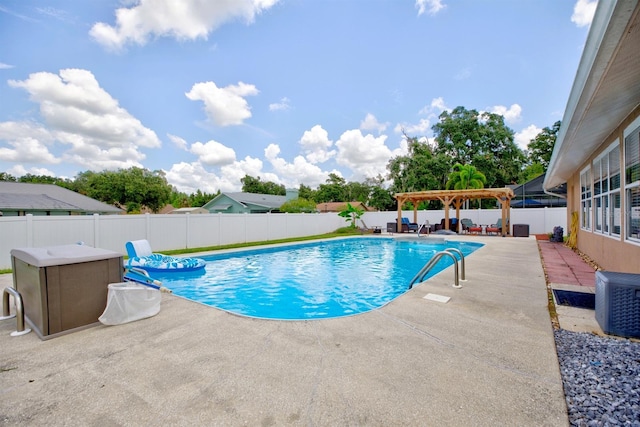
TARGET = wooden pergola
x,y
457,198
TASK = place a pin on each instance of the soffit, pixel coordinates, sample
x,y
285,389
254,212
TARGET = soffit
x,y
606,90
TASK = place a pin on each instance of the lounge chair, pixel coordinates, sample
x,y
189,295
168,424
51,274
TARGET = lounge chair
x,y
497,227
365,229
408,225
453,224
467,225
141,256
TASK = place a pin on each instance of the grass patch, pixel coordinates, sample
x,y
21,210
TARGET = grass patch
x,y
341,232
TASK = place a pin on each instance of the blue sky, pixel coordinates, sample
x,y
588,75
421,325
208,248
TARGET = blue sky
x,y
285,90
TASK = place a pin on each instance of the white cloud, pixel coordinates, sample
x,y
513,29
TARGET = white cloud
x,y
191,177
28,144
429,6
316,145
371,123
282,105
434,109
213,153
420,128
366,155
224,106
511,115
19,170
524,137
182,20
78,114
583,12
423,127
291,175
178,142
4,66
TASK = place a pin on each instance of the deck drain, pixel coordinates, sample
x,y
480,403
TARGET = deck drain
x,y
575,299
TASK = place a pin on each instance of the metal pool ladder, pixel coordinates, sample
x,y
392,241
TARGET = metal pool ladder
x,y
6,313
434,260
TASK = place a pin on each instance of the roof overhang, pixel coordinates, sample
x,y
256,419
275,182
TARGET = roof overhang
x,y
606,88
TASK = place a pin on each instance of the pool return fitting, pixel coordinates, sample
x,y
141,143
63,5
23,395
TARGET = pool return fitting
x,y
434,260
6,313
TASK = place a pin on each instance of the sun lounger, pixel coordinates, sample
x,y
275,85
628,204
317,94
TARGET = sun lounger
x,y
141,256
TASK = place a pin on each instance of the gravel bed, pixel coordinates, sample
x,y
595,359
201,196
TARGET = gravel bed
x,y
601,377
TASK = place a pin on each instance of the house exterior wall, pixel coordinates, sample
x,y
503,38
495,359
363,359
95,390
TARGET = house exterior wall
x,y
610,251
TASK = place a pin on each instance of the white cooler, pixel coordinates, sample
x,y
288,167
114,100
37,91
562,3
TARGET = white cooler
x,y
129,301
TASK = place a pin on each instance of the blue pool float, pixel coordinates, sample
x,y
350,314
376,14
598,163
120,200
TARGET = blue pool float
x,y
141,256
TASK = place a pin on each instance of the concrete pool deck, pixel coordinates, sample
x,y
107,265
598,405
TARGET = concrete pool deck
x,y
487,357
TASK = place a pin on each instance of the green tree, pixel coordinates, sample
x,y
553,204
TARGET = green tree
x,y
540,148
465,177
333,191
420,169
201,198
255,185
298,205
7,177
357,192
380,198
133,188
482,140
305,192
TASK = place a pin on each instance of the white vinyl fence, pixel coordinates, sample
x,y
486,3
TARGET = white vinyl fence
x,y
169,232
540,220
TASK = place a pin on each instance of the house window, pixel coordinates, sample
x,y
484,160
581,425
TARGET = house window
x,y
606,191
614,190
632,180
585,199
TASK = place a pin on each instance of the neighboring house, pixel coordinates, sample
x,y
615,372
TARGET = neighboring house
x,y
19,198
532,195
191,211
597,152
248,202
339,206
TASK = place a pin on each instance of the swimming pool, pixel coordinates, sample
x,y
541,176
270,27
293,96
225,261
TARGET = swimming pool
x,y
318,280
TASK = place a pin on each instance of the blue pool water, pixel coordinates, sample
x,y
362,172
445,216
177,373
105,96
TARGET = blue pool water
x,y
317,280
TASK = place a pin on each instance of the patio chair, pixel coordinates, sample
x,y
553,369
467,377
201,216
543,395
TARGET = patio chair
x,y
453,224
467,224
376,229
497,227
408,225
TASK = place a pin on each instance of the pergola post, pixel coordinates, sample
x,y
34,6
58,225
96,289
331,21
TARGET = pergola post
x,y
457,202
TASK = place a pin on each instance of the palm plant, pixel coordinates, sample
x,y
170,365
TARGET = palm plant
x,y
465,177
351,213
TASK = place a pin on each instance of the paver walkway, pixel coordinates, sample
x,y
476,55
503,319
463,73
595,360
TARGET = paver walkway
x,y
565,266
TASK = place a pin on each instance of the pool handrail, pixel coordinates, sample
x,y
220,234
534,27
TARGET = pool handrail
x,y
462,264
431,263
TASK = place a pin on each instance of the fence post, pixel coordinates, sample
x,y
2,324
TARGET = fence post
x,y
187,228
96,230
147,225
29,230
